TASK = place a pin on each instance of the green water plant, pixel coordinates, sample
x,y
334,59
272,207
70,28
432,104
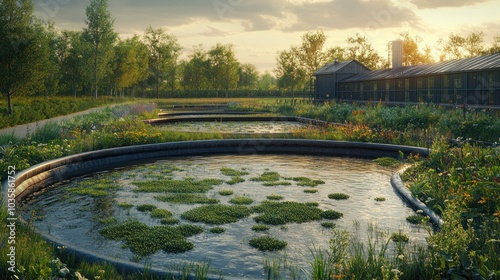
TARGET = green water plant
x,y
307,182
260,227
241,200
338,196
144,240
267,243
331,215
188,185
161,213
233,172
380,199
226,192
217,214
280,213
274,197
327,224
186,198
399,237
146,207
217,230
235,180
310,191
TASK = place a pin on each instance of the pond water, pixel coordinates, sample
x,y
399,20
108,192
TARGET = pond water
x,y
236,127
77,218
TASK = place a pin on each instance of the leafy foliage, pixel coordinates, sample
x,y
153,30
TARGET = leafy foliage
x,y
267,243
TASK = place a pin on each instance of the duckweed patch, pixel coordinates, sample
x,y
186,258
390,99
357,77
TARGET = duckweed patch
x,y
267,243
233,172
217,230
100,187
307,182
188,185
235,180
186,198
310,191
226,192
170,221
338,196
275,197
260,228
331,215
379,199
280,213
268,176
161,213
241,200
146,207
217,214
143,240
276,184
125,205
327,224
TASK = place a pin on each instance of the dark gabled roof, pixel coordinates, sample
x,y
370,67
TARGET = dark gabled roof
x,y
486,62
333,68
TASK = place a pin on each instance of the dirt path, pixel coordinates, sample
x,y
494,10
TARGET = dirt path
x,y
20,131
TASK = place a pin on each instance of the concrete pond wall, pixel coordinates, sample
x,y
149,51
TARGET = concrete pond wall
x,y
48,173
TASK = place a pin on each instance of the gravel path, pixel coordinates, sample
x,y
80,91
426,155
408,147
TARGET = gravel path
x,y
20,131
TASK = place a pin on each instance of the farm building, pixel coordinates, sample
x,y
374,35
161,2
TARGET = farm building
x,y
474,82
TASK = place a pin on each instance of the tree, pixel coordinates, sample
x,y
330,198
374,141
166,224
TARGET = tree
x,y
100,36
24,51
458,46
310,53
336,53
248,76
131,63
289,74
412,55
196,69
71,52
266,81
495,47
223,68
359,48
164,51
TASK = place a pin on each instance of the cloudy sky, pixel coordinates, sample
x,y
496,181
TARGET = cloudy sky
x,y
258,29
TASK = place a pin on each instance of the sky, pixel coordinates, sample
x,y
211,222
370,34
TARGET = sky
x,y
259,29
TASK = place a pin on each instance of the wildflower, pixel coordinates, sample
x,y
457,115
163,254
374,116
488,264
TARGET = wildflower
x,y
483,200
401,257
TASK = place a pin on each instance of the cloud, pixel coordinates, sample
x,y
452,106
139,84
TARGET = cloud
x,y
346,14
434,4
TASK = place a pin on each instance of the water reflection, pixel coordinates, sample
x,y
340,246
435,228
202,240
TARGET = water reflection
x,y
77,218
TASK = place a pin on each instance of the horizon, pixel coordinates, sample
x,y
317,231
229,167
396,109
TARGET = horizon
x,y
259,29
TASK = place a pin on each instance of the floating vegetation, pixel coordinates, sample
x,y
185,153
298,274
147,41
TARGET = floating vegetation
x,y
280,213
241,200
217,230
338,196
399,237
274,197
108,220
186,198
307,182
161,213
387,161
188,185
226,192
235,180
331,215
146,207
267,243
379,199
96,187
310,191
276,184
125,205
233,172
312,204
268,176
143,240
260,228
327,224
217,214
190,230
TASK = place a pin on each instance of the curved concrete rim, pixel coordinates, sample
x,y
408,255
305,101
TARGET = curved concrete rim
x,y
45,174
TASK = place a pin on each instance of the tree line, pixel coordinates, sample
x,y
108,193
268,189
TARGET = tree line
x,y
38,59
296,65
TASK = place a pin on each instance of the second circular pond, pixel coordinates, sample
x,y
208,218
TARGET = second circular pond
x,y
114,213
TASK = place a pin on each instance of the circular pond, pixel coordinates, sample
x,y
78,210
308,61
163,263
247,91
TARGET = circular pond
x,y
236,126
111,213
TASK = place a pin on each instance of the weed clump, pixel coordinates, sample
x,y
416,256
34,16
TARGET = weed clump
x,y
217,214
280,213
338,196
267,243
